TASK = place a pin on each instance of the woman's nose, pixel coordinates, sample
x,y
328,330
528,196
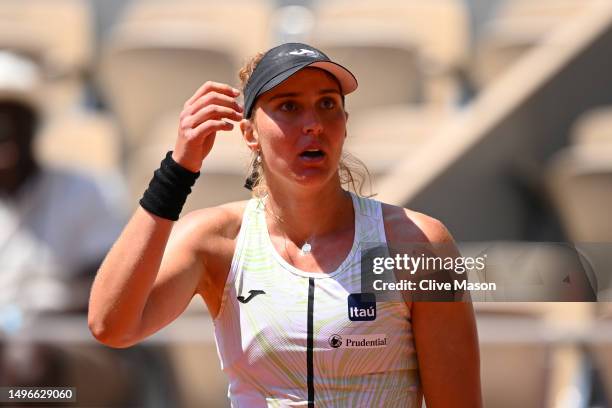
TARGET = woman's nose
x,y
312,122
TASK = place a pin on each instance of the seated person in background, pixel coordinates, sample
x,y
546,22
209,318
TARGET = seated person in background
x,y
56,224
55,227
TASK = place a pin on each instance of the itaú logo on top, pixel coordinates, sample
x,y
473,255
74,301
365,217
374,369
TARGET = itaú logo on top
x,y
361,306
357,313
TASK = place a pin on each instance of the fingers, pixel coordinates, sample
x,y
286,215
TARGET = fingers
x,y
213,98
211,86
209,127
213,112
205,113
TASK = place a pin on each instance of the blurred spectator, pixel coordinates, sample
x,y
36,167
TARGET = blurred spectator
x,y
56,225
55,228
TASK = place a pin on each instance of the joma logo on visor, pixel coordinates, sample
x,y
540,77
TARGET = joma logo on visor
x,y
303,51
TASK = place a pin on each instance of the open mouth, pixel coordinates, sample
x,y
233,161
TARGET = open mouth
x,y
312,154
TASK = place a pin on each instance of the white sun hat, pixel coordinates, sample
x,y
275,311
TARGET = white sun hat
x,y
20,80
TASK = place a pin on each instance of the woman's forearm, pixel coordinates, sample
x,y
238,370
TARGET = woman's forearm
x,y
125,278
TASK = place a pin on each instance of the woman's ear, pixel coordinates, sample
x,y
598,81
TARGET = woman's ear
x,y
346,121
249,133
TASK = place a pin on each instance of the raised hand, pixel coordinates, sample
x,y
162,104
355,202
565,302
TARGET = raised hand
x,y
205,113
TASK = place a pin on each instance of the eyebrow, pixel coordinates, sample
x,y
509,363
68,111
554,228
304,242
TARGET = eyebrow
x,y
294,94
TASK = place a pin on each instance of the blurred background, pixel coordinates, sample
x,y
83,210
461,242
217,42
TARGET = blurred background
x,y
494,116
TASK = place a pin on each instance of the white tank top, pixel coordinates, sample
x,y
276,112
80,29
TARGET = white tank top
x,y
290,338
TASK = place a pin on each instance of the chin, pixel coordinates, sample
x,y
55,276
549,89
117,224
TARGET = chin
x,y
313,178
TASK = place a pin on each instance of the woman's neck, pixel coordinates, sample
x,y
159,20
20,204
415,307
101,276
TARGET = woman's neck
x,y
305,215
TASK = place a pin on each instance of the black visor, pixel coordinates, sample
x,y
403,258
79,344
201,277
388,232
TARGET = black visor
x,y
281,62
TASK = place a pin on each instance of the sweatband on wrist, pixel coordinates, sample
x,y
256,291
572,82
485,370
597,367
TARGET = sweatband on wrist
x,y
168,189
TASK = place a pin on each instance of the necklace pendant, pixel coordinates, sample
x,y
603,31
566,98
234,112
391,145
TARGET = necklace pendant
x,y
306,248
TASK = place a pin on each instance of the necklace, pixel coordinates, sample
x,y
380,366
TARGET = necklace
x,y
306,246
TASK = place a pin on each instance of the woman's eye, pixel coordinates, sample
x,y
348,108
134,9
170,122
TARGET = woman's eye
x,y
328,103
288,106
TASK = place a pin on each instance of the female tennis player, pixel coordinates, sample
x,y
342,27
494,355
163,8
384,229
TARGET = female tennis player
x,y
280,273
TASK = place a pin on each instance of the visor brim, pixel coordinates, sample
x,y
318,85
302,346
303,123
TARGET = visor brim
x,y
346,79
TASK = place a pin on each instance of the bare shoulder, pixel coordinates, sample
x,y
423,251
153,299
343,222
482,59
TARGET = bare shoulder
x,y
403,225
220,221
209,236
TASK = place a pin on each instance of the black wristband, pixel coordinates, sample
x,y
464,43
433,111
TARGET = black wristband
x,y
168,189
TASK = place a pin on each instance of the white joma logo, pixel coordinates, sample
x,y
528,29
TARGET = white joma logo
x,y
303,51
